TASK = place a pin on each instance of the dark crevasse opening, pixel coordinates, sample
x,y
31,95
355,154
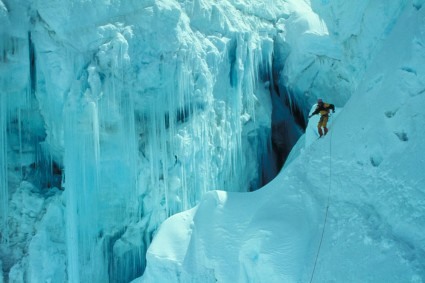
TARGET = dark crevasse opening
x,y
288,125
288,119
43,171
32,63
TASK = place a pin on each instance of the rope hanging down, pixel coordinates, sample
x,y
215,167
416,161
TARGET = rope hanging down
x,y
327,207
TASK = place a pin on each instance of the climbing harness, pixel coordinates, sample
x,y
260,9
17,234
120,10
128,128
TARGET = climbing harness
x,y
327,207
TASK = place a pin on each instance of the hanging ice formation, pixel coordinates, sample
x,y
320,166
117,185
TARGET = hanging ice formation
x,y
191,140
141,126
4,195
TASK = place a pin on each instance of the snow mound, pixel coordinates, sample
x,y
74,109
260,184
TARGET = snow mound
x,y
240,227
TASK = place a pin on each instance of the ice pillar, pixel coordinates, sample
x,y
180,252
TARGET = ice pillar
x,y
81,186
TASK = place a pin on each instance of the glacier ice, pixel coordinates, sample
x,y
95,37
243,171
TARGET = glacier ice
x,y
133,112
136,110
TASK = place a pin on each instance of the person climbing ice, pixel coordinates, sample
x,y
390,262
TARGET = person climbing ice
x,y
323,109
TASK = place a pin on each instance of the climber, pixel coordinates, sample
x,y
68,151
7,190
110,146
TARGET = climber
x,y
323,109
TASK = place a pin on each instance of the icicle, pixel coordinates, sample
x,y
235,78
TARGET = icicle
x,y
118,154
19,114
130,149
81,169
4,194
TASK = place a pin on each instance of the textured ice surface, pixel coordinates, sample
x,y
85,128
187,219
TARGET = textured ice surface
x,y
137,109
362,186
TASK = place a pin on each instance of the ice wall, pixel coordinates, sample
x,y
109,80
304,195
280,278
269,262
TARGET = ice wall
x,y
331,43
135,110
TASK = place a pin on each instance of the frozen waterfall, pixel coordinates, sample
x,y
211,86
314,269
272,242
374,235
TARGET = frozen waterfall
x,y
116,117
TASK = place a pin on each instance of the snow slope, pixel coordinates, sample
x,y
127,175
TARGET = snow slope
x,y
362,186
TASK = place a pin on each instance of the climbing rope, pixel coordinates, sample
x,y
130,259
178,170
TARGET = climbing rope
x,y
327,207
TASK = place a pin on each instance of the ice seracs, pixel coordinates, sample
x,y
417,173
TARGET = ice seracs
x,y
138,110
